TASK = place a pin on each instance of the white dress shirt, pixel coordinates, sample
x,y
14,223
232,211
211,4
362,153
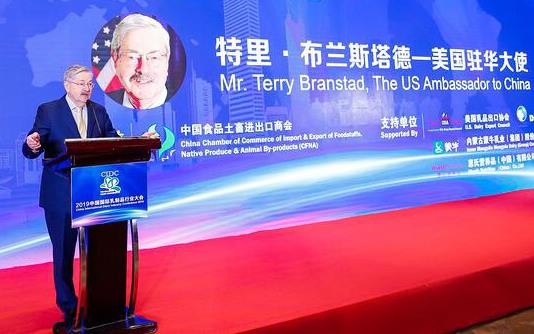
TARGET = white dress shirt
x,y
77,116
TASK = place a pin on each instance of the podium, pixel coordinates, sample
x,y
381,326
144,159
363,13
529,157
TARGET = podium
x,y
103,244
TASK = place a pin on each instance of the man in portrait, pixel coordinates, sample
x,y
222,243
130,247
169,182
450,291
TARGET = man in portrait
x,y
140,50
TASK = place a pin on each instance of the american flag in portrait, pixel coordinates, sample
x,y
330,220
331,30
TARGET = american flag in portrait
x,y
102,63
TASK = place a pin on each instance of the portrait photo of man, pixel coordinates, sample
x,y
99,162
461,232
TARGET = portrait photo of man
x,y
138,61
140,50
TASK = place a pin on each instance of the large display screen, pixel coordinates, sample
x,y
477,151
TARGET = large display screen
x,y
277,113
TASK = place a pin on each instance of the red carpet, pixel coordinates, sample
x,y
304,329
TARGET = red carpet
x,y
425,270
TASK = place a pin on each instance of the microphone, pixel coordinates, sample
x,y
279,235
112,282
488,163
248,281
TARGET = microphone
x,y
96,119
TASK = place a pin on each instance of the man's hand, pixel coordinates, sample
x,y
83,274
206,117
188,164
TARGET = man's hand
x,y
150,135
34,142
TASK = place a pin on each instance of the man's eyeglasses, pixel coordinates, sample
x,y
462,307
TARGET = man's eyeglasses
x,y
89,84
151,58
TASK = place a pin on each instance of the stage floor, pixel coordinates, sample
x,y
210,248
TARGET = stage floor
x,y
429,269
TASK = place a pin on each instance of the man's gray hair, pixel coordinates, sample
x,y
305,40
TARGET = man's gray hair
x,y
136,21
74,70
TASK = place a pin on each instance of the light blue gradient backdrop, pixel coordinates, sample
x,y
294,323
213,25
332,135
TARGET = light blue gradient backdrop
x,y
195,199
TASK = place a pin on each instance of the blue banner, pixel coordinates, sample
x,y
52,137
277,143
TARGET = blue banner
x,y
108,193
278,113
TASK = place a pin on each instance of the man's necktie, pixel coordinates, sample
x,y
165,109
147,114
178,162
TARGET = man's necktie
x,y
82,128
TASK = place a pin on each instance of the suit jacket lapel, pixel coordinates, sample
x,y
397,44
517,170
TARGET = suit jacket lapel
x,y
71,127
91,120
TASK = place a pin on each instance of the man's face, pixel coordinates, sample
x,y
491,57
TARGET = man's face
x,y
142,64
79,88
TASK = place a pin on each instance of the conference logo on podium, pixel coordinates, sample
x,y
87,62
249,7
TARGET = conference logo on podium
x,y
110,184
108,193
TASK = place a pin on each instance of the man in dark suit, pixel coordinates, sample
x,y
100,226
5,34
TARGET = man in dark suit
x,y
71,116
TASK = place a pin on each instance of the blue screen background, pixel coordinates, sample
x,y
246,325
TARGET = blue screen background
x,y
201,198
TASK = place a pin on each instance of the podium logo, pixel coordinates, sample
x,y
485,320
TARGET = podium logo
x,y
110,183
